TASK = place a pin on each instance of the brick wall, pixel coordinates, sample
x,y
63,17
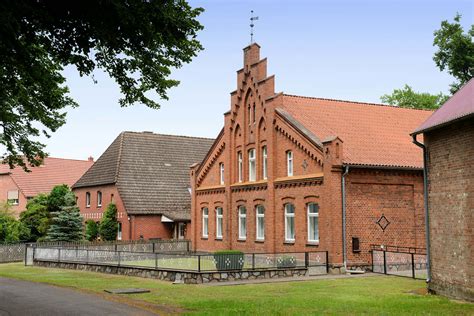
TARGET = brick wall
x,y
451,208
7,184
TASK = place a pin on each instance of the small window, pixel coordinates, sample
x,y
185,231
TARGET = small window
x,y
260,225
242,222
313,222
88,199
219,222
119,232
289,163
264,162
252,164
13,197
112,198
240,165
355,244
254,113
289,222
181,230
249,114
221,172
99,198
205,222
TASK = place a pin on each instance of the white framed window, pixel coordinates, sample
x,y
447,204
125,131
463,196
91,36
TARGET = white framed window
x,y
260,224
289,222
221,172
242,222
88,199
181,230
13,197
205,222
252,165
289,163
219,222
240,166
264,162
99,198
119,231
313,222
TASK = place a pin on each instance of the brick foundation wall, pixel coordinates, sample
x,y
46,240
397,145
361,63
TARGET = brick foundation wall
x,y
451,208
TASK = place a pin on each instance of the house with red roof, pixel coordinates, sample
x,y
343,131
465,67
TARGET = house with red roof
x,y
448,143
292,174
17,185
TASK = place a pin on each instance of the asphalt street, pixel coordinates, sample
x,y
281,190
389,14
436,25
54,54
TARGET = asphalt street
x,y
28,298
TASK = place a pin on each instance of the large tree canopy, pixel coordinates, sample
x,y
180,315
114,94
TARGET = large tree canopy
x,y
137,42
455,54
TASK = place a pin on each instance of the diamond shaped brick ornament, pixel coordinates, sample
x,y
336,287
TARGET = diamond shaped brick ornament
x,y
383,222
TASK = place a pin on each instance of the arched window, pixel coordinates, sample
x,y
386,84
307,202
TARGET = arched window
x,y
264,162
252,165
219,222
260,222
289,163
313,225
289,222
88,199
205,222
242,222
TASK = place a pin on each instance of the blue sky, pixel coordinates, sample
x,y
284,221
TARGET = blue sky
x,y
354,50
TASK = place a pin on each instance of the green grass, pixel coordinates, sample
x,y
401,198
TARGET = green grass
x,y
380,295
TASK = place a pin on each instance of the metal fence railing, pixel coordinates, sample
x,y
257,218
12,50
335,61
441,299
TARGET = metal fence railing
x,y
400,261
15,252
184,261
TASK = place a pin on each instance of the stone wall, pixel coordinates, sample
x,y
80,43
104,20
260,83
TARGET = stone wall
x,y
179,276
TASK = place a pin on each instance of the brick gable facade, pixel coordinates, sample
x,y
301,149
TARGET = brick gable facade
x,y
261,121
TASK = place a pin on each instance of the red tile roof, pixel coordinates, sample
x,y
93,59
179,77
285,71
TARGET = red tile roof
x,y
52,172
372,134
459,106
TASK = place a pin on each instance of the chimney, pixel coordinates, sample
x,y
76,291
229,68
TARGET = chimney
x,y
91,159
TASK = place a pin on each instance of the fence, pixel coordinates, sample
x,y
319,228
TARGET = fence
x,y
16,252
182,261
400,261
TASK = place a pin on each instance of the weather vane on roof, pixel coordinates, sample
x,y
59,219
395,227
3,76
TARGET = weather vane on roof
x,y
252,19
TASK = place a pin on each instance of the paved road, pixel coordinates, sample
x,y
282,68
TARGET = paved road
x,y
28,298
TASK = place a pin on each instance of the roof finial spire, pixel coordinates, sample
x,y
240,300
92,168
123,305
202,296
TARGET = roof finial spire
x,y
252,19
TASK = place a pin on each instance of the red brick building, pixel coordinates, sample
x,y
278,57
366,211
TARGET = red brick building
x,y
290,173
449,140
147,176
17,186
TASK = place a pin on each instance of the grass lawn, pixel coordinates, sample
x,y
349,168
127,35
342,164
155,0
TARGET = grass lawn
x,y
380,295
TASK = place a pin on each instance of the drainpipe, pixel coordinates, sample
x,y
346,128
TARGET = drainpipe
x,y
425,198
343,185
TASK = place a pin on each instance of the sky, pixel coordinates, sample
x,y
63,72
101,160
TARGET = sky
x,y
350,50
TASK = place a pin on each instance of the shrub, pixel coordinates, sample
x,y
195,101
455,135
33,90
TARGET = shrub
x,y
67,222
92,230
109,225
37,217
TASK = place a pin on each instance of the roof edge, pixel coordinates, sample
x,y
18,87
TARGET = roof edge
x,y
299,127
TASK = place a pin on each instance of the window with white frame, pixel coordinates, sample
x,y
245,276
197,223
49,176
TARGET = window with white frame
x,y
240,166
205,222
252,165
289,163
219,222
313,219
242,222
260,225
289,222
264,162
88,199
99,198
119,231
221,172
13,197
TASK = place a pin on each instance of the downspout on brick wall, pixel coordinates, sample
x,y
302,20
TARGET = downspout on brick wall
x,y
425,198
343,189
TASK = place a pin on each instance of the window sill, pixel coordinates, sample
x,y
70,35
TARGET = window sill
x,y
312,243
289,242
260,241
241,240
356,251
218,239
204,238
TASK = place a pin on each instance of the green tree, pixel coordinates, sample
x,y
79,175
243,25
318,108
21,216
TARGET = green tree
x,y
109,225
455,51
67,223
37,218
57,197
136,42
11,230
407,98
92,230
